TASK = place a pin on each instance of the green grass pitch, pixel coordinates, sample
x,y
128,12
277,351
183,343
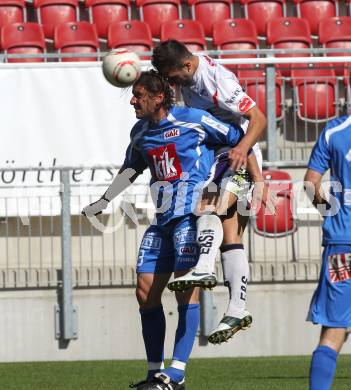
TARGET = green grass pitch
x,y
283,373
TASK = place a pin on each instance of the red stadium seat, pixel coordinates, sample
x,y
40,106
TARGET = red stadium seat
x,y
104,12
335,33
50,13
282,223
315,11
261,11
235,34
76,37
314,92
190,32
157,12
208,12
289,33
23,38
133,35
254,82
12,11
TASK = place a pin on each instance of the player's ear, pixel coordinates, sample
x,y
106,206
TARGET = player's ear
x,y
187,65
160,97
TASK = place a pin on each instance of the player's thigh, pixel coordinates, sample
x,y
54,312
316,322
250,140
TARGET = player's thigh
x,y
155,264
186,251
234,225
218,202
150,287
208,200
185,246
333,337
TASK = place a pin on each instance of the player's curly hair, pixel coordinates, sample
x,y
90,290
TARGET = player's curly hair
x,y
170,54
154,83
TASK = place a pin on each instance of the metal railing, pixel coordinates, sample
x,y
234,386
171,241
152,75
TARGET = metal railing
x,y
38,241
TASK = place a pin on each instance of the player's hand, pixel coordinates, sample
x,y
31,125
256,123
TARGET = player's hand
x,y
95,208
238,157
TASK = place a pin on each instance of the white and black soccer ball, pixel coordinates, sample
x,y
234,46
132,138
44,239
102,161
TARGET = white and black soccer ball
x,y
121,67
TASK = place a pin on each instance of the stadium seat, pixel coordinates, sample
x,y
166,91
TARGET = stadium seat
x,y
23,38
50,13
315,11
282,223
104,12
254,82
335,33
235,34
208,12
133,35
190,32
12,11
289,33
261,11
314,92
76,37
157,12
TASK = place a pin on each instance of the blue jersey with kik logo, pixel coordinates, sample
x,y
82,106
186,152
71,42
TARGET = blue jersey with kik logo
x,y
333,151
179,152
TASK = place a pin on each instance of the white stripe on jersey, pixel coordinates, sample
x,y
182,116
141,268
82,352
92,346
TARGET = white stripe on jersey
x,y
215,125
340,127
189,125
198,149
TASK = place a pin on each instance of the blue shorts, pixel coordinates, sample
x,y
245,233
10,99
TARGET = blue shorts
x,y
169,248
331,302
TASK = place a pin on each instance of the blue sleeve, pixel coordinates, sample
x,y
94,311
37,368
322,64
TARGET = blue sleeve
x,y
220,133
320,156
134,159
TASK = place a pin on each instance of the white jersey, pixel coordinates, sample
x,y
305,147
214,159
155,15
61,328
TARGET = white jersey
x,y
217,90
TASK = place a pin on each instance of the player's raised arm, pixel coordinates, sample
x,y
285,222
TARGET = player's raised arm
x,y
124,178
230,96
133,166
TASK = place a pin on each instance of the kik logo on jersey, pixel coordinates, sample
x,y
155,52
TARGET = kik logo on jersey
x,y
166,163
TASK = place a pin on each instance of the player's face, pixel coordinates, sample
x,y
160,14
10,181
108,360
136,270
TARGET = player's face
x,y
180,76
145,105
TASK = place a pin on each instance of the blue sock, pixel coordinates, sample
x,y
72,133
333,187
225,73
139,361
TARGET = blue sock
x,y
153,323
189,318
322,368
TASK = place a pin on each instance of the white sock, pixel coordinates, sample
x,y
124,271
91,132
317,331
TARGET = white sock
x,y
209,237
235,274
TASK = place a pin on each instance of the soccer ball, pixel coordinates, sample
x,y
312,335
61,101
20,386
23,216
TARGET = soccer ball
x,y
121,67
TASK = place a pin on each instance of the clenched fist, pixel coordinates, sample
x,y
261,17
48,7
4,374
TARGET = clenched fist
x,y
95,208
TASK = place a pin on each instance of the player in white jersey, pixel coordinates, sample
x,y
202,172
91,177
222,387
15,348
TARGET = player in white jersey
x,y
207,85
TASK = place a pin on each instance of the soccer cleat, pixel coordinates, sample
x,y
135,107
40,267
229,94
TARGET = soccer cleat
x,y
162,381
140,385
193,279
228,327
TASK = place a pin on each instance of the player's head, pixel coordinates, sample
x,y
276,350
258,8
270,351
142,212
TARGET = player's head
x,y
173,60
152,95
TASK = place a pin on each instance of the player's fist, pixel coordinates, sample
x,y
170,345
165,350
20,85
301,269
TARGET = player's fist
x,y
95,208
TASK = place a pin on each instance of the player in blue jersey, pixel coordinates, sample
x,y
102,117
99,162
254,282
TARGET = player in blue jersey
x,y
331,302
176,144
